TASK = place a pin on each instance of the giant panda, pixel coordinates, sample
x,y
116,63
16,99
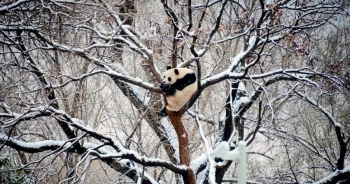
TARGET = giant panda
x,y
178,84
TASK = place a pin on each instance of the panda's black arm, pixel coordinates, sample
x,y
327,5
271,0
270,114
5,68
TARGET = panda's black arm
x,y
188,79
168,89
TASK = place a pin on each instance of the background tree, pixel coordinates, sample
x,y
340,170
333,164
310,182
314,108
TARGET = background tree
x,y
79,91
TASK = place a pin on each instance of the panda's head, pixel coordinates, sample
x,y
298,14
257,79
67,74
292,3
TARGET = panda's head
x,y
172,75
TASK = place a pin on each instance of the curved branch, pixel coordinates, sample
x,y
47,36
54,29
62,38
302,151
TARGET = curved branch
x,y
339,175
93,149
103,153
35,147
6,8
335,124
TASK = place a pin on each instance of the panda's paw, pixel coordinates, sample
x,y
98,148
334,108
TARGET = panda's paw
x,y
169,90
162,113
164,87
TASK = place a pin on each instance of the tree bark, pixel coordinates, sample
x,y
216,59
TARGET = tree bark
x,y
182,136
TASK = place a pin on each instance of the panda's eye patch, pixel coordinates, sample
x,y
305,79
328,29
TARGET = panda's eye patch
x,y
169,79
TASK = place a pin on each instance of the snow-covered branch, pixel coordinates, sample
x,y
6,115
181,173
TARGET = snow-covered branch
x,y
34,147
335,177
107,140
79,86
319,107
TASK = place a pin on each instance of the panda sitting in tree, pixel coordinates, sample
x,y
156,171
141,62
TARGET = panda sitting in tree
x,y
178,84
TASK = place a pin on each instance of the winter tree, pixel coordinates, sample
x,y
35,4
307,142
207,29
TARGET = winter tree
x,y
80,96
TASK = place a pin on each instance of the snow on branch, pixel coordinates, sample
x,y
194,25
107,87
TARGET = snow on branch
x,y
16,27
135,81
114,74
33,147
143,160
336,176
305,143
312,7
148,53
320,107
28,114
233,37
121,151
120,74
229,72
288,74
13,5
223,151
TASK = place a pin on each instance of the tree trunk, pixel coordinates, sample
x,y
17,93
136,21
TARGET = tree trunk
x,y
182,136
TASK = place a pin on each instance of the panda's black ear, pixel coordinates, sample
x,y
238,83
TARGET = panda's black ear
x,y
168,67
176,71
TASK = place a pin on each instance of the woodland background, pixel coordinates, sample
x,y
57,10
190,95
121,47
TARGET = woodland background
x,y
79,91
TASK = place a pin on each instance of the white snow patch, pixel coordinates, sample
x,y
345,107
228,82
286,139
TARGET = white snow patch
x,y
212,169
35,145
196,163
171,134
243,100
252,41
241,86
269,2
329,177
223,151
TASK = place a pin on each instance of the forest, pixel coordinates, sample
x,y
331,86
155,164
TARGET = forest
x,y
80,91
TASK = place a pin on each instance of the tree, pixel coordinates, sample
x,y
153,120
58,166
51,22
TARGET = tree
x,y
79,89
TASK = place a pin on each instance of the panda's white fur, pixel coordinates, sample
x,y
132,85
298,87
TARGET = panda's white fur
x,y
182,83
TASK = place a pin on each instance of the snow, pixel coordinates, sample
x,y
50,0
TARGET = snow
x,y
334,174
234,63
212,163
101,151
272,39
269,2
15,27
201,131
212,169
9,112
123,73
237,59
241,86
223,151
78,121
222,116
239,153
321,108
4,8
102,30
243,100
63,1
57,111
89,145
171,134
196,163
138,42
252,41
35,145
228,72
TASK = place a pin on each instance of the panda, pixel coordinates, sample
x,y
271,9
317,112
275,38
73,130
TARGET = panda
x,y
178,84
